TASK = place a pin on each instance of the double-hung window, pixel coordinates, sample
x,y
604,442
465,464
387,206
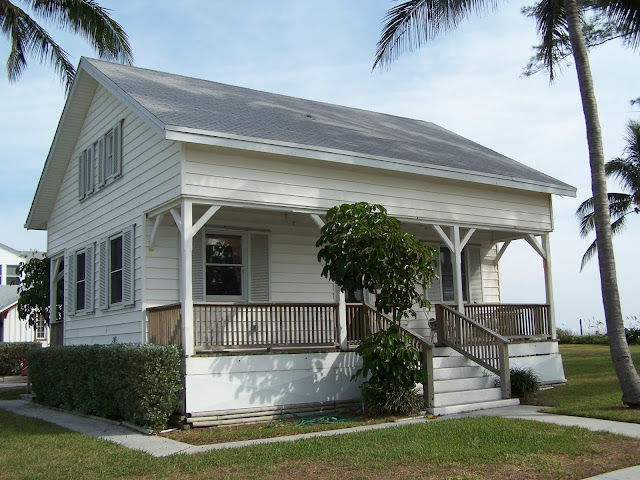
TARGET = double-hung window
x,y
442,289
13,278
79,280
41,333
224,265
115,259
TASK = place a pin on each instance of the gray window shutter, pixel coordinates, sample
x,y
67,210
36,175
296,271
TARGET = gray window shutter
x,y
70,283
101,162
89,266
197,266
80,176
128,271
259,267
89,168
117,149
475,273
103,273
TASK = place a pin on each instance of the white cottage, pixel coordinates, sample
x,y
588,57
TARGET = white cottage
x,y
185,211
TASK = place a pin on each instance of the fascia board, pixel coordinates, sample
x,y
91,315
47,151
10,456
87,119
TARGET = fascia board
x,y
204,137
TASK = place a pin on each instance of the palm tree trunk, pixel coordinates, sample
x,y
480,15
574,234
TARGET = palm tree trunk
x,y
622,361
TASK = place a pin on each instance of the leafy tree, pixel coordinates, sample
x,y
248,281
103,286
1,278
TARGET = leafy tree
x,y
83,17
363,248
33,302
415,22
627,171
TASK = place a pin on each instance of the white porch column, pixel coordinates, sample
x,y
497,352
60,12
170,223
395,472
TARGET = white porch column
x,y
342,302
186,288
548,284
457,268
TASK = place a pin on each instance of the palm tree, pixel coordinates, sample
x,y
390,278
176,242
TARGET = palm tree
x,y
627,171
415,22
83,17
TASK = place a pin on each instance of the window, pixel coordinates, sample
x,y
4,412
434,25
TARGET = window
x,y
12,275
224,266
85,173
446,275
115,270
110,148
230,265
115,259
78,280
40,329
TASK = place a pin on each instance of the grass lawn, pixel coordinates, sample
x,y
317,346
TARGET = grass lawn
x,y
12,393
592,389
469,449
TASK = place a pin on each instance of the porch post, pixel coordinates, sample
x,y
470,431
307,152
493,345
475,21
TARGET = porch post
x,y
186,287
548,284
457,268
342,320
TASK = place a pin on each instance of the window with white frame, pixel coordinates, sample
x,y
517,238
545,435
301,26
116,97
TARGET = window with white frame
x,y
41,333
116,269
78,272
224,265
85,173
110,151
13,278
231,265
442,289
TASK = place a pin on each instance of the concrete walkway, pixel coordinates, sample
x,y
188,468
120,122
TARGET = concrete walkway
x,y
162,447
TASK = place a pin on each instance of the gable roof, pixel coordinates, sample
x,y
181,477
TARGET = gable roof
x,y
8,297
199,111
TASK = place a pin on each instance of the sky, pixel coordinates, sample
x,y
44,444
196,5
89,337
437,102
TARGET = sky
x,y
468,81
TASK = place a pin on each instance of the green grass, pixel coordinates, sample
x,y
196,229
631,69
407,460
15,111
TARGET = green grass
x,y
12,393
592,388
481,448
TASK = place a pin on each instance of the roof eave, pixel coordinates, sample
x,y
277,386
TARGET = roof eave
x,y
204,137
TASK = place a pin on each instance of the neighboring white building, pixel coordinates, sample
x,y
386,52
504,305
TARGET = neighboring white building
x,y
12,329
185,211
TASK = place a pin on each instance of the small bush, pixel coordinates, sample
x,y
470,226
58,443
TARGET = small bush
x,y
379,400
564,335
633,335
135,383
524,382
12,354
567,337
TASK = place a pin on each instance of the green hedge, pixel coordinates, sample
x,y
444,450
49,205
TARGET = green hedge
x,y
135,383
11,355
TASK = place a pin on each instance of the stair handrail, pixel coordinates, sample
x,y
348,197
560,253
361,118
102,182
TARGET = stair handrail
x,y
426,351
476,342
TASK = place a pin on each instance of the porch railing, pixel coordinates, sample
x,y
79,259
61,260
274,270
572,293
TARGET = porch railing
x,y
225,326
165,324
476,342
512,321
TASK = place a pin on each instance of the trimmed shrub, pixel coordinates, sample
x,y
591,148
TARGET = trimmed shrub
x,y
134,383
524,382
381,400
11,355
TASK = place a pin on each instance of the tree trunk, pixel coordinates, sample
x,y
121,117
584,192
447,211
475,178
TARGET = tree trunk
x,y
622,361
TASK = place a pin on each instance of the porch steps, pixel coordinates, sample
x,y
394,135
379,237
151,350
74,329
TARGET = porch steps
x,y
463,386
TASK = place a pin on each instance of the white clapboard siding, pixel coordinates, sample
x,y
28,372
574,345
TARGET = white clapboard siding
x,y
474,261
490,277
163,266
301,183
150,177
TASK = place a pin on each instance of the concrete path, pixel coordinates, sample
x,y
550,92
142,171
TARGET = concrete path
x,y
162,447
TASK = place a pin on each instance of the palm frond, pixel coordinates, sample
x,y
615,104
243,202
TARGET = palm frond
x,y
29,38
414,22
616,227
89,20
626,15
551,25
619,205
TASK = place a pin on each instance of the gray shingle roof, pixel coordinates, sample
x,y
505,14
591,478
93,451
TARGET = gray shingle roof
x,y
190,103
8,296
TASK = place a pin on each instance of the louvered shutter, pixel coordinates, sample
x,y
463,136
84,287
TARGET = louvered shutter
x,y
197,266
434,291
128,271
89,267
100,159
117,149
475,273
259,268
80,176
70,283
103,273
